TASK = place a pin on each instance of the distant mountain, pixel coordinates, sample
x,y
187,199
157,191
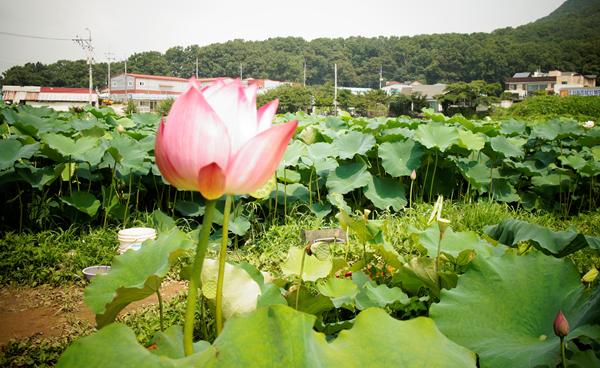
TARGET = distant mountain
x,y
567,39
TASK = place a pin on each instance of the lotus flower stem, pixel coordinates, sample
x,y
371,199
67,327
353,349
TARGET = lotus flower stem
x,y
410,195
188,327
300,278
425,179
222,256
160,308
433,176
107,205
562,352
127,203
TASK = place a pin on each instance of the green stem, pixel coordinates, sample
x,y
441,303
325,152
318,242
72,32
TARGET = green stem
x,y
300,279
284,196
160,309
410,195
562,352
127,203
188,327
425,179
222,256
106,207
433,175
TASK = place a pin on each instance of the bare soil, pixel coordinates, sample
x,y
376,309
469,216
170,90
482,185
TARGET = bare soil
x,y
46,311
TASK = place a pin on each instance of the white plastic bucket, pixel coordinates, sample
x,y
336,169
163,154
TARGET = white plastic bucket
x,y
133,237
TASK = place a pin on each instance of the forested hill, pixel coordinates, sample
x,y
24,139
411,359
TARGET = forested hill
x,y
567,39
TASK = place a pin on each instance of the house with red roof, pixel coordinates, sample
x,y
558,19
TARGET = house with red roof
x,y
58,98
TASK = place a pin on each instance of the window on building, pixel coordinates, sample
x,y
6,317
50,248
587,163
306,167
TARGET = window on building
x,y
563,82
141,83
129,83
114,84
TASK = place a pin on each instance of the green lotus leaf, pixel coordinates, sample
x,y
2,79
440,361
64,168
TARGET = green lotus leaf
x,y
556,243
401,158
293,152
353,143
337,200
11,151
504,191
116,346
575,161
288,176
435,135
126,122
292,192
504,308
321,150
314,268
512,128
376,339
348,177
83,201
470,140
131,156
145,119
134,275
342,291
39,177
509,147
189,208
373,295
69,148
168,343
386,193
552,180
320,209
240,290
323,167
454,242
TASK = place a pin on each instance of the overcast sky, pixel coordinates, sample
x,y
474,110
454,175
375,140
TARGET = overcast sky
x,y
127,26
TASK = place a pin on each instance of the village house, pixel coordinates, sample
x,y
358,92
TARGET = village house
x,y
58,98
525,83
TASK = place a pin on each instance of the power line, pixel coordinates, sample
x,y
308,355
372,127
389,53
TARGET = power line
x,y
36,37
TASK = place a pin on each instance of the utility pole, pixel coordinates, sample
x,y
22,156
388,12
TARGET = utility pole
x,y
110,57
241,71
86,44
126,82
380,76
304,72
335,88
196,67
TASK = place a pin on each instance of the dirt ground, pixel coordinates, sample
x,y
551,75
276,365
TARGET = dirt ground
x,y
46,311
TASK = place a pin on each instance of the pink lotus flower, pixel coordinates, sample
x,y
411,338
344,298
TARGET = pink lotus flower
x,y
214,141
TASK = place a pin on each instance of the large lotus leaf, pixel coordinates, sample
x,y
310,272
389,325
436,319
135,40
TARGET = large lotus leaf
x,y
39,177
313,270
83,201
292,192
11,150
240,290
401,158
552,180
134,275
348,177
372,295
323,167
145,119
470,141
386,193
454,242
288,176
504,191
436,136
556,243
279,336
33,125
168,343
353,143
575,161
293,152
552,129
69,148
117,346
509,147
504,308
131,156
321,150
342,291
512,127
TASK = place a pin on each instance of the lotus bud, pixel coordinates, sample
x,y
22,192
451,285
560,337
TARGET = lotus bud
x,y
413,175
366,214
120,128
561,325
590,276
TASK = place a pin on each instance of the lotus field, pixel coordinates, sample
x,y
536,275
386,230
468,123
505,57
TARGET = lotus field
x,y
403,282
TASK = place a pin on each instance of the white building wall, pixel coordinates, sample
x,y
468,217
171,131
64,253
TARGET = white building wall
x,y
160,85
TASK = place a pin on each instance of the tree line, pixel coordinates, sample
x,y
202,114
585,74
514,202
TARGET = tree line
x,y
566,40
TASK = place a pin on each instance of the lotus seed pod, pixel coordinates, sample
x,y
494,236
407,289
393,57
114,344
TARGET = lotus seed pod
x,y
561,325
